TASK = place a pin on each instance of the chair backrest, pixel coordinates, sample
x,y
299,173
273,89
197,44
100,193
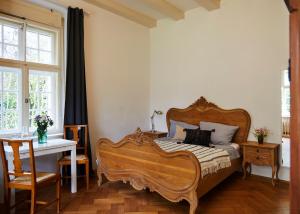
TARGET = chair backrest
x,y
76,136
17,162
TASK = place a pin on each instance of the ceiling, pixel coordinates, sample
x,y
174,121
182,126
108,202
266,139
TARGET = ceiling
x,y
140,6
144,12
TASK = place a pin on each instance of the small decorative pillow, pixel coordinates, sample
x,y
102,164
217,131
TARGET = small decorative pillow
x,y
174,123
198,137
223,133
179,133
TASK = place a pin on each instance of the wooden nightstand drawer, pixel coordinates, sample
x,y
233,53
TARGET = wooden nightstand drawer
x,y
259,158
254,150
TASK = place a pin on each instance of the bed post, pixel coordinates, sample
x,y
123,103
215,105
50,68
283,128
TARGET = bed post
x,y
193,203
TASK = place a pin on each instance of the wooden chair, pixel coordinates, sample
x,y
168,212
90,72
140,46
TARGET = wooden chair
x,y
26,180
81,159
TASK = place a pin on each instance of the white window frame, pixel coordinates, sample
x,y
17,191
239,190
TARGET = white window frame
x,y
25,66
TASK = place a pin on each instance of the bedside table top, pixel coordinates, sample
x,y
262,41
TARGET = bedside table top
x,y
264,145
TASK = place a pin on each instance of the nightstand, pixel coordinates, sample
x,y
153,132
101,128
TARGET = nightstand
x,y
265,154
155,135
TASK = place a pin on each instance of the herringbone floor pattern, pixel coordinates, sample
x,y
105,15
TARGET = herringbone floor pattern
x,y
234,196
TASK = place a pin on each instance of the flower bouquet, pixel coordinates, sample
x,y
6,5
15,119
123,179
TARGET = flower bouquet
x,y
42,122
261,134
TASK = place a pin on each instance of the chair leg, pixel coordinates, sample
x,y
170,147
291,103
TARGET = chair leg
x,y
58,193
7,200
65,173
60,173
87,174
33,202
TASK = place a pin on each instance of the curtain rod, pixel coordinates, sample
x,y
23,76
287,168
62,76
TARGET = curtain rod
x,y
9,14
24,18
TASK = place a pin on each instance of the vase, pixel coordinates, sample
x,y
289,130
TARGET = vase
x,y
42,137
260,139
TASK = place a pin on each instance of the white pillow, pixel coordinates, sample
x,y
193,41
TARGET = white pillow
x,y
222,135
179,133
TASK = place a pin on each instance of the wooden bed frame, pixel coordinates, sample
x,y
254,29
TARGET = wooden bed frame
x,y
175,175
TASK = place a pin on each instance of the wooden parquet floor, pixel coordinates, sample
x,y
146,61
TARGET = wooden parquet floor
x,y
234,196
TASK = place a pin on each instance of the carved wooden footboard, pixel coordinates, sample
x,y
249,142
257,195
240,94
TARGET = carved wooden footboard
x,y
138,160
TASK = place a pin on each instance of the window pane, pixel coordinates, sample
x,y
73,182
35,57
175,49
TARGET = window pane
x,y
31,39
10,101
10,94
45,83
45,57
34,101
45,42
33,83
32,114
40,46
42,92
10,81
11,35
10,120
32,55
10,52
45,102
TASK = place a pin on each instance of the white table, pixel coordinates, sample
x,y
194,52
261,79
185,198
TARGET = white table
x,y
51,147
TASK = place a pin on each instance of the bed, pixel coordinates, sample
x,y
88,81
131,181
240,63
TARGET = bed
x,y
176,176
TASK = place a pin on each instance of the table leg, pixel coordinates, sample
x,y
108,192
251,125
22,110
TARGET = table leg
x,y
73,171
273,175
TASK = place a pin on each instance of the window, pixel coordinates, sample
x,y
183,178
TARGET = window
x,y
286,98
29,75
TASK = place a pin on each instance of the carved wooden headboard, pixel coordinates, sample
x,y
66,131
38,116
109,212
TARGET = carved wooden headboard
x,y
202,110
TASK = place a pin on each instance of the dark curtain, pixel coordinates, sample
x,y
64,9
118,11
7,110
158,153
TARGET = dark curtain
x,y
76,101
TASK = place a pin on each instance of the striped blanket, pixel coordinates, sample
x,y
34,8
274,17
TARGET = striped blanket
x,y
211,160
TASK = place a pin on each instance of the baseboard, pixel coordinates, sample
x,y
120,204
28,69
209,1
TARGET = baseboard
x,y
284,172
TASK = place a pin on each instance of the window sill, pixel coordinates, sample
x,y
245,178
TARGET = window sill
x,y
34,138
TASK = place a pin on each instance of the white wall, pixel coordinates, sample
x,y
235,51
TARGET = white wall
x,y
233,56
117,71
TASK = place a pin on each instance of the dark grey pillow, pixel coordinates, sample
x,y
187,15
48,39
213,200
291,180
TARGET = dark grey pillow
x,y
198,137
223,133
184,125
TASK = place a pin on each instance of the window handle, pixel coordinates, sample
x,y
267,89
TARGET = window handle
x,y
26,100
